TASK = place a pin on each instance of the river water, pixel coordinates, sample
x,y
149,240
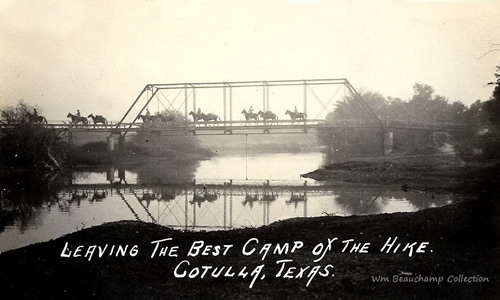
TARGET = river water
x,y
224,192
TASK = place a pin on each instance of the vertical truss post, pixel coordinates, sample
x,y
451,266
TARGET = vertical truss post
x,y
230,103
264,96
305,105
194,100
158,104
305,97
268,107
186,106
225,110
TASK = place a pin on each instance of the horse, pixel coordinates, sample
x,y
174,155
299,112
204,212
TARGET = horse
x,y
36,119
210,117
249,116
196,116
295,199
268,115
296,115
77,119
250,199
167,195
98,119
205,117
269,197
78,198
207,196
144,118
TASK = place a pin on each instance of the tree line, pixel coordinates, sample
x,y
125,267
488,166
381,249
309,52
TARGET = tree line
x,y
481,119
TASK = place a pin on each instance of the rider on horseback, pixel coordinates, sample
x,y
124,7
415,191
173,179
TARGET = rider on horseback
x,y
199,111
250,110
295,110
78,114
35,114
148,114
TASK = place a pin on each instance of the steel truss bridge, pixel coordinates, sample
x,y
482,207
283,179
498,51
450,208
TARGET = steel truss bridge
x,y
179,99
314,93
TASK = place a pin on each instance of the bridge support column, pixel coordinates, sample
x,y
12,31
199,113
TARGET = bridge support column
x,y
388,141
111,143
121,143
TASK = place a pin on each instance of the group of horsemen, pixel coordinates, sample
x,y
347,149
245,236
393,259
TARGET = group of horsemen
x,y
250,114
200,116
77,118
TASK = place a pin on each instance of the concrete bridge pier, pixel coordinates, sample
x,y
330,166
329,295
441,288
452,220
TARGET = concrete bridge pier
x,y
111,143
111,140
388,141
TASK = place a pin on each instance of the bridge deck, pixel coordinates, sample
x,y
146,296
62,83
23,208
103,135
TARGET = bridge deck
x,y
242,127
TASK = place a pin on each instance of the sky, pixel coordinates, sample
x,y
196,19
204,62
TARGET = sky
x,y
97,56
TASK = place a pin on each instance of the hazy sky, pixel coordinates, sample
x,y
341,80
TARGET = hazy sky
x,y
98,55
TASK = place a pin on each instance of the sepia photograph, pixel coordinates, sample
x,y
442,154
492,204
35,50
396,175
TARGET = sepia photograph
x,y
238,149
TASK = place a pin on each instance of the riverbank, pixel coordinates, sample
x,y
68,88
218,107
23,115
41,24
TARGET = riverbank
x,y
458,243
431,173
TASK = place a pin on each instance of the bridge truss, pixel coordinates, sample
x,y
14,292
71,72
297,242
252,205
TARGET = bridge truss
x,y
220,97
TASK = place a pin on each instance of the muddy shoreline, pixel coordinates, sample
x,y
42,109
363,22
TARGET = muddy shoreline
x,y
463,241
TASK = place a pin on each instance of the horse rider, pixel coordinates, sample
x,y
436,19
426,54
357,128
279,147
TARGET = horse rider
x,y
78,113
295,110
250,110
35,113
148,114
199,111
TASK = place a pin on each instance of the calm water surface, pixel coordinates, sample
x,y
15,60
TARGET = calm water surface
x,y
228,192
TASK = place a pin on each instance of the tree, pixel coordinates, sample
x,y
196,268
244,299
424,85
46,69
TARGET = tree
x,y
492,106
491,143
423,106
350,108
26,144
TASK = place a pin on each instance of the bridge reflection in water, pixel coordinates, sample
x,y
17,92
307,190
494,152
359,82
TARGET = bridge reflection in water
x,y
198,206
36,212
228,205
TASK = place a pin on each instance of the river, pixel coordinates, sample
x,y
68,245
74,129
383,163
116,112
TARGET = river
x,y
221,193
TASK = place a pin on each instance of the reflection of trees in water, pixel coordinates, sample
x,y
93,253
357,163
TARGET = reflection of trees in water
x,y
360,203
373,202
24,194
427,200
166,171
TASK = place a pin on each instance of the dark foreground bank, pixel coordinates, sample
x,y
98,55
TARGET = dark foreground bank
x,y
454,255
